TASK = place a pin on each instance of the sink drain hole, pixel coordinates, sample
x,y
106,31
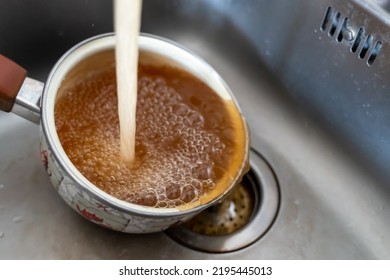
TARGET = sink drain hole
x,y
229,216
240,220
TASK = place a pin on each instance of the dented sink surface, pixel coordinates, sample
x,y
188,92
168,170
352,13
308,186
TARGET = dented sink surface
x,y
333,204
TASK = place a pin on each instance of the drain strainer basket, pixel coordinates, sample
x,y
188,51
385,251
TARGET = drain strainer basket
x,y
229,216
240,220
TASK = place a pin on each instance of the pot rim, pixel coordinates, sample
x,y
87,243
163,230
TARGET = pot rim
x,y
162,46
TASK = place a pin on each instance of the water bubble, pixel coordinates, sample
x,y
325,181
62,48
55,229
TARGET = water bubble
x,y
196,119
173,191
189,193
203,157
177,177
162,204
219,146
180,109
202,172
195,183
162,118
210,184
171,203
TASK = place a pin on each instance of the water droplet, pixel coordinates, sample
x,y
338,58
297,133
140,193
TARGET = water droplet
x,y
17,219
1,186
2,234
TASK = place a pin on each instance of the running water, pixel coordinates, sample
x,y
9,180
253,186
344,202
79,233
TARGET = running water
x,y
127,14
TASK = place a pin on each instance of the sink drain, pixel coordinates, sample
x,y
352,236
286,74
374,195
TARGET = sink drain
x,y
230,216
240,220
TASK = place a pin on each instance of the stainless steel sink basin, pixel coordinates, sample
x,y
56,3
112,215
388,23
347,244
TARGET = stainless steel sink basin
x,y
385,4
315,97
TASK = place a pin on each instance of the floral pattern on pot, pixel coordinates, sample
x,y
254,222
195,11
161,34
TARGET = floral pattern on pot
x,y
95,209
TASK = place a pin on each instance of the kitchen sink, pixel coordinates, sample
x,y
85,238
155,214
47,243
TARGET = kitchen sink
x,y
312,79
385,4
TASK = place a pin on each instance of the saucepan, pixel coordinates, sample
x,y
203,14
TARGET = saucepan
x,y
35,101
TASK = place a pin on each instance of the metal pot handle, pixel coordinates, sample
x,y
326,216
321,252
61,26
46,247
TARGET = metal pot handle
x,y
18,93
